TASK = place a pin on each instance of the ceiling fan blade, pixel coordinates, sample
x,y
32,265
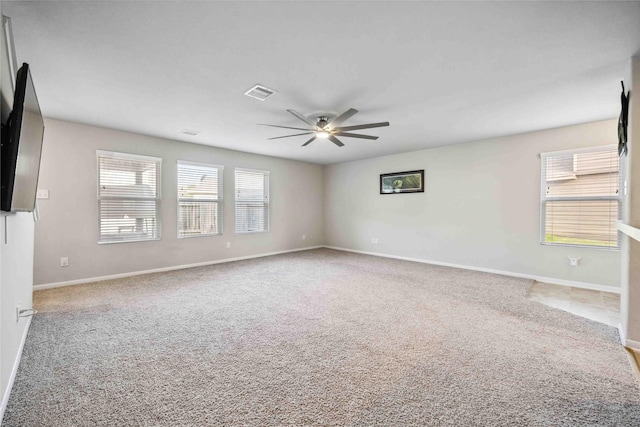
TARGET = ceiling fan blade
x,y
313,138
284,127
342,117
366,126
303,118
356,135
289,136
336,141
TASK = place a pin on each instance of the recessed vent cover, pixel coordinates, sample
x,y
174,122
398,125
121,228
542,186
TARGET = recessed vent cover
x,y
260,92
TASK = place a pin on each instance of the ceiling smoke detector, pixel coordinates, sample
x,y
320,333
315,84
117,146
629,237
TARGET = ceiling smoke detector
x,y
260,92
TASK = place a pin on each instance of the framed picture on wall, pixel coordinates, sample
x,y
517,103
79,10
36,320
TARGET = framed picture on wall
x,y
402,182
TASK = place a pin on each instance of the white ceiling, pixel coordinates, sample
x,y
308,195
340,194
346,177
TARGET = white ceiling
x,y
440,72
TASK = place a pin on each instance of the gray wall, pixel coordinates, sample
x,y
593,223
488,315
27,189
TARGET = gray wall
x,y
480,208
68,219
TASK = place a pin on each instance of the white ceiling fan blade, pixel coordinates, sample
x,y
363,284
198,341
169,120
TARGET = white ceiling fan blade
x,y
284,127
365,126
356,135
289,136
303,118
341,118
313,138
336,141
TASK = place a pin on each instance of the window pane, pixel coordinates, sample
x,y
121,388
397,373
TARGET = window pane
x,y
120,177
126,220
251,217
197,182
591,223
583,174
198,218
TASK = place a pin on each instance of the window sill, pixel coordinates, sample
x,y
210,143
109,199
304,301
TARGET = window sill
x,y
629,230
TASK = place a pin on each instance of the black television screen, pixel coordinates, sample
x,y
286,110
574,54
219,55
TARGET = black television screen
x,y
22,147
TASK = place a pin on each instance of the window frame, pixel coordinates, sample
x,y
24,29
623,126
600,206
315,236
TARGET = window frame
x,y
266,200
219,201
157,199
544,200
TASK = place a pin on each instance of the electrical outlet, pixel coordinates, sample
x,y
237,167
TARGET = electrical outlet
x,y
42,194
304,237
228,245
374,240
574,261
64,261
17,313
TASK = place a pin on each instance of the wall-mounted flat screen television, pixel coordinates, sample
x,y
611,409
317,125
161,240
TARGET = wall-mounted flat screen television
x,y
21,147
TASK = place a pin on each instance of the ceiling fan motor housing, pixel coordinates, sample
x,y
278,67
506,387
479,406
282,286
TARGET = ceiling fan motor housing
x,y
322,122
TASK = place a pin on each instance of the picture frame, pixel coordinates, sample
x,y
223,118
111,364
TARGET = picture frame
x,y
402,182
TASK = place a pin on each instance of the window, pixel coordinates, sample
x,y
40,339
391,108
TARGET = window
x,y
580,197
199,199
252,201
128,197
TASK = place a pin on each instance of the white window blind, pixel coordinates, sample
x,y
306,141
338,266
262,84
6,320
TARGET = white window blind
x,y
252,200
199,199
580,197
128,197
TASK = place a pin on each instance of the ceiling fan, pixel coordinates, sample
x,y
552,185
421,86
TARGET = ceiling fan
x,y
324,128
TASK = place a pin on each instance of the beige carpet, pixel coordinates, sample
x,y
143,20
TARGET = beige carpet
x,y
318,338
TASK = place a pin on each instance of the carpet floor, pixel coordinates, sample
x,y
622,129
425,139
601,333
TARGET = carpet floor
x,y
317,338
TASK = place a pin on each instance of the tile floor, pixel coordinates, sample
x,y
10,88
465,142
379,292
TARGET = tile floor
x,y
600,306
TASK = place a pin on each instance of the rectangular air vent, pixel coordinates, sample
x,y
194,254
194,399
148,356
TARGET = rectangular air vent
x,y
260,92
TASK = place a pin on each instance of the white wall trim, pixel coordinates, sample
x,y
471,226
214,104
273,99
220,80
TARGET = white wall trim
x,y
635,345
163,269
629,230
575,284
623,337
632,344
14,370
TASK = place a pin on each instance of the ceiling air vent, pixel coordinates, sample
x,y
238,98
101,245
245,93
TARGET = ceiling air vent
x,y
260,92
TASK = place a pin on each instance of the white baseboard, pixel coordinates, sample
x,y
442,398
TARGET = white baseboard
x,y
635,345
623,338
632,344
162,269
575,284
14,370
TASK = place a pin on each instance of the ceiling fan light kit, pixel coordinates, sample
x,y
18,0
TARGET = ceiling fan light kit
x,y
324,128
